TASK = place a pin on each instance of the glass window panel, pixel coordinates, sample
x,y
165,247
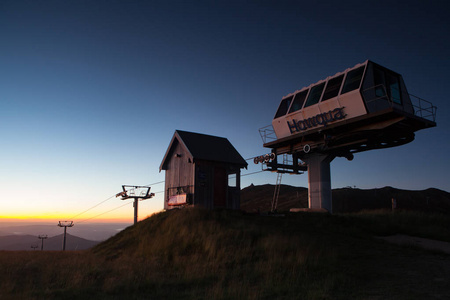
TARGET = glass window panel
x,y
353,80
314,95
394,88
380,85
333,86
298,101
395,93
284,106
232,180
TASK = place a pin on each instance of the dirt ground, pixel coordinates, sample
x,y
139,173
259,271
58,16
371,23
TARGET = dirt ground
x,y
401,239
411,268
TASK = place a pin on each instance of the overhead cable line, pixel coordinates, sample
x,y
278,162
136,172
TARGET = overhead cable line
x,y
128,203
92,207
251,158
154,183
151,184
251,173
83,212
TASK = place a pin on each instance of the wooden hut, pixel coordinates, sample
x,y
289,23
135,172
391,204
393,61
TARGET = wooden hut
x,y
202,170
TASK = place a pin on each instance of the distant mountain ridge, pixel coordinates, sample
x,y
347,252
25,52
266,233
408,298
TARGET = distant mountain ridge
x,y
24,242
256,198
259,197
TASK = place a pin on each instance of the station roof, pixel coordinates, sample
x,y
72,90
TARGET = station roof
x,y
205,147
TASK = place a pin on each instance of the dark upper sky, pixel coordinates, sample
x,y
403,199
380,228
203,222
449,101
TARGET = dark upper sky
x,y
92,91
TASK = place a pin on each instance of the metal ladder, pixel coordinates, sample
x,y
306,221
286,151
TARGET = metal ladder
x,y
276,192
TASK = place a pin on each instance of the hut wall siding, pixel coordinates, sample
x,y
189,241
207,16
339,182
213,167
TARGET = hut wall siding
x,y
204,184
203,192
179,173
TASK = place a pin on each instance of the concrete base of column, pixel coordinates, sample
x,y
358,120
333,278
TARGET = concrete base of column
x,y
319,181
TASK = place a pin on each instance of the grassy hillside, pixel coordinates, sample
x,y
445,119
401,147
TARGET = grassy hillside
x,y
198,254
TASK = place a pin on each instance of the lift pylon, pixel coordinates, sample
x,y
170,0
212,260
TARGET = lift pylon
x,y
137,193
65,224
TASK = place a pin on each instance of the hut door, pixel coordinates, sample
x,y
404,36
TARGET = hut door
x,y
220,187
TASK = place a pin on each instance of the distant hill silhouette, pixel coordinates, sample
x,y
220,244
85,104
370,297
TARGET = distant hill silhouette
x,y
89,231
256,198
18,242
24,242
259,197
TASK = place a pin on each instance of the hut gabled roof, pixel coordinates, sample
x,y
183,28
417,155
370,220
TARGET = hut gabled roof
x,y
204,147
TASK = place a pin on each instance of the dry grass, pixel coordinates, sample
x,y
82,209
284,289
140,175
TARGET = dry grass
x,y
197,254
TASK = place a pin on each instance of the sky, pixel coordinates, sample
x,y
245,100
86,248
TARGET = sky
x,y
91,92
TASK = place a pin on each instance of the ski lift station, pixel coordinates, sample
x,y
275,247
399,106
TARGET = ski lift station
x,y
363,108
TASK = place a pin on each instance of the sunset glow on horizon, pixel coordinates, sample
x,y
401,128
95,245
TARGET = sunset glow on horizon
x,y
113,211
88,218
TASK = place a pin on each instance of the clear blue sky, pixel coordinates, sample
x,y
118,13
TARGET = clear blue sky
x,y
91,92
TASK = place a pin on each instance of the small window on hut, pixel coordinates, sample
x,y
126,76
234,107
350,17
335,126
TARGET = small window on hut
x,y
333,86
299,99
353,80
284,106
232,180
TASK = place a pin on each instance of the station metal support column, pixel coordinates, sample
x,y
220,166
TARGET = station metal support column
x,y
319,180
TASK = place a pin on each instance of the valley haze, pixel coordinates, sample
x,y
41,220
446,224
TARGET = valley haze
x,y
90,231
